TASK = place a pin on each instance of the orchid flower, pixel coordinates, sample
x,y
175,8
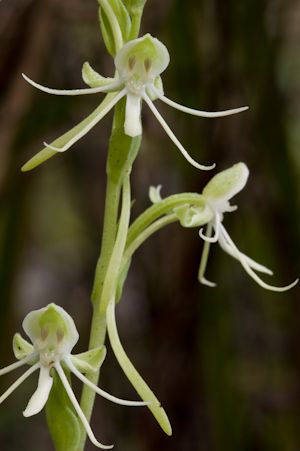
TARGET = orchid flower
x,y
53,334
139,64
216,195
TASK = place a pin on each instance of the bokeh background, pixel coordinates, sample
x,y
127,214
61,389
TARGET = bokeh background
x,y
225,362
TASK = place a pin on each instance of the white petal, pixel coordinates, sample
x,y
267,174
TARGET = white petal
x,y
248,269
75,92
253,264
41,395
90,125
15,365
132,125
78,408
19,381
196,112
173,137
101,392
216,226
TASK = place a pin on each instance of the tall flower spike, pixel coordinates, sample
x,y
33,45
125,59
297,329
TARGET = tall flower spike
x,y
217,194
53,334
139,64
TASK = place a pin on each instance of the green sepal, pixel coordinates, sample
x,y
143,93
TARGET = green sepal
x,y
124,22
90,360
121,281
122,149
62,421
22,348
93,79
226,184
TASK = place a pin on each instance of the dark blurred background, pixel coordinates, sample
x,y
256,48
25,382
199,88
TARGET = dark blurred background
x,y
224,362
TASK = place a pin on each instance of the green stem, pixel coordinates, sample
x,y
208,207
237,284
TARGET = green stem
x,y
143,236
204,258
98,328
135,25
161,208
110,282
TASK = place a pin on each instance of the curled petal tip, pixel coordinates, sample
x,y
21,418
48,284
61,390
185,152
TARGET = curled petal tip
x,y
279,289
213,239
205,168
207,282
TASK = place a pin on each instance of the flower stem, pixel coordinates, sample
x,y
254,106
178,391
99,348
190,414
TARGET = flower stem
x,y
98,328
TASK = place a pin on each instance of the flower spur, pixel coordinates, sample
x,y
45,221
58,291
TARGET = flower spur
x,y
54,334
216,196
139,64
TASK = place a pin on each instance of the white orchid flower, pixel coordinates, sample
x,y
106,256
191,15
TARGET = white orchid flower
x,y
139,64
216,195
53,334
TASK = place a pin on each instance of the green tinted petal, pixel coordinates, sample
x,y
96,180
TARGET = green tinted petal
x,y
22,349
190,216
90,360
93,79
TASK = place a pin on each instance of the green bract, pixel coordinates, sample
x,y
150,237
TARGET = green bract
x,y
134,6
115,24
54,334
139,64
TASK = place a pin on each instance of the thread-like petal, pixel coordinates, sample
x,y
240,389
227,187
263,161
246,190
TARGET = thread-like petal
x,y
216,226
75,92
90,125
19,381
77,407
248,269
101,392
173,137
15,365
253,264
193,112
